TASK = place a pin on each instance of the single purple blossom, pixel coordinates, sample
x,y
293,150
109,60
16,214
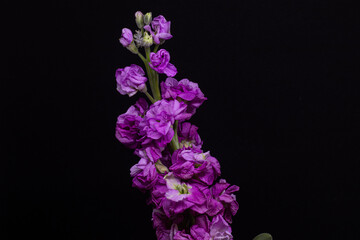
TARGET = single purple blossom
x,y
181,196
130,80
144,174
157,193
156,127
189,163
183,90
223,200
182,235
161,29
126,37
160,62
163,226
151,153
127,125
188,136
220,229
201,228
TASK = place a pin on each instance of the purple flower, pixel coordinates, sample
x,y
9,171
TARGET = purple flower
x,y
224,201
127,125
156,128
130,80
201,229
151,153
161,28
182,235
144,174
163,226
189,163
184,90
126,37
188,136
181,196
160,62
157,193
220,229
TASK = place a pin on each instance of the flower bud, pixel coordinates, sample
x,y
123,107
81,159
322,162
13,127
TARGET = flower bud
x,y
147,18
132,48
160,167
126,37
147,40
139,19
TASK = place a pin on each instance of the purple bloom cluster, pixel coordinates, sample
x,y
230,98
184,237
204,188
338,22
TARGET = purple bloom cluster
x,y
188,200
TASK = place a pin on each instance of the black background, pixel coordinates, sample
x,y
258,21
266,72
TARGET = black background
x,y
281,116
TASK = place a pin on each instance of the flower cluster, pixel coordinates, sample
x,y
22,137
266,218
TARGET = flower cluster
x,y
188,199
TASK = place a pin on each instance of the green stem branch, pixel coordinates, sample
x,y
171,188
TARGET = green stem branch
x,y
149,97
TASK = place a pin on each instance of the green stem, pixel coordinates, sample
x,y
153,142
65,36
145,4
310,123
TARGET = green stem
x,y
174,144
148,69
157,94
156,48
149,97
142,57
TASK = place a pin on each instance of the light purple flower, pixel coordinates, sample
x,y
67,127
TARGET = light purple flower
x,y
188,136
158,121
161,29
130,80
127,125
181,196
160,62
220,229
192,163
182,235
184,90
223,200
126,37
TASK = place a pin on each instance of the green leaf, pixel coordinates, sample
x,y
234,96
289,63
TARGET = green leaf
x,y
263,236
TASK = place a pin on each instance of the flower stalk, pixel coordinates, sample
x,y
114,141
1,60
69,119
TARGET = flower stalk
x,y
187,199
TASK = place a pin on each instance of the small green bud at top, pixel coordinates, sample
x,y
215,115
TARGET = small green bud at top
x,y
139,19
147,18
147,40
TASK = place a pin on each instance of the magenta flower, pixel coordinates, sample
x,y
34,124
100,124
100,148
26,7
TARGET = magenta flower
x,y
181,196
158,121
157,193
130,80
126,37
163,226
188,136
184,90
161,29
144,174
201,229
192,163
224,201
160,62
151,153
182,235
127,125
